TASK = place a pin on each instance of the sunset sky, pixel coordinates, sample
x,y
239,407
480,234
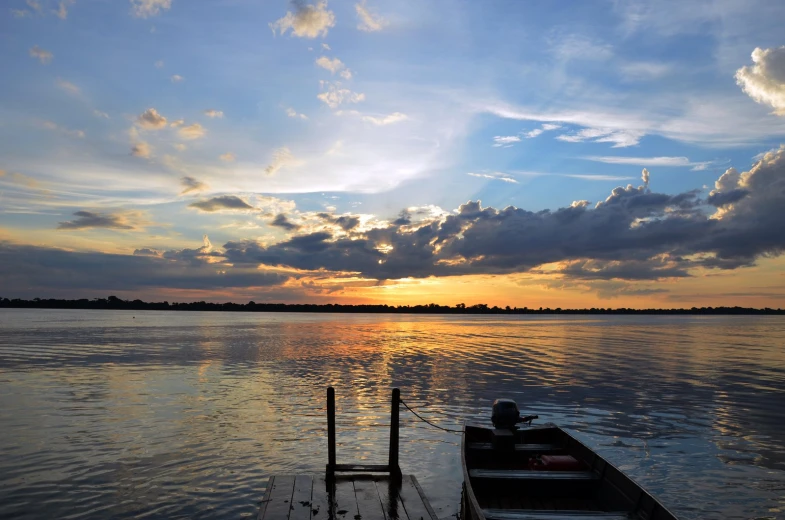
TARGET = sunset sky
x,y
524,153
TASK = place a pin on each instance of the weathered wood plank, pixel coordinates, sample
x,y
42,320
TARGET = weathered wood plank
x,y
301,498
280,500
266,499
320,499
345,499
368,502
412,501
390,497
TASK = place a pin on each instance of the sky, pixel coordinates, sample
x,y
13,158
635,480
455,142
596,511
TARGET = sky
x,y
523,153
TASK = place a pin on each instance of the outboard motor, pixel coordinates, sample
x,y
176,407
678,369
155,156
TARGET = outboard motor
x,y
506,414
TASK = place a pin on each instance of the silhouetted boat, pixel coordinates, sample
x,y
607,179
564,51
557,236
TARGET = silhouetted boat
x,y
543,473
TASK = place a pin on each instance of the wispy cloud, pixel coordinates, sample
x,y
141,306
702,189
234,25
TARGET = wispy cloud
x,y
44,56
653,161
495,176
505,140
293,113
369,21
67,86
176,78
619,138
212,113
227,157
395,117
49,125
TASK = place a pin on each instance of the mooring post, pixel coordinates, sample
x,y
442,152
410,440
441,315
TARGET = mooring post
x,y
330,430
394,468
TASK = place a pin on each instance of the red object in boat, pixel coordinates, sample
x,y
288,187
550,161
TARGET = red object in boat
x,y
556,463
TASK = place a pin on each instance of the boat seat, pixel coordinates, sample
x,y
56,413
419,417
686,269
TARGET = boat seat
x,y
518,447
527,474
538,514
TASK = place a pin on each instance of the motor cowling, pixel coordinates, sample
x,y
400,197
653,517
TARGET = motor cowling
x,y
505,413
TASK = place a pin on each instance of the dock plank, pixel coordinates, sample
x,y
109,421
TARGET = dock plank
x,y
413,501
390,497
320,499
368,502
266,498
301,498
345,499
279,503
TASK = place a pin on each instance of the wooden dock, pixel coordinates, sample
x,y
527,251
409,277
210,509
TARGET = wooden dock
x,y
349,491
344,497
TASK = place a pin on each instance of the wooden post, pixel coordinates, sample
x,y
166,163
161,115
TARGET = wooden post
x,y
330,430
395,470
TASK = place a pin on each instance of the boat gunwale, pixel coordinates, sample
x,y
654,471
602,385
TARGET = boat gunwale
x,y
633,513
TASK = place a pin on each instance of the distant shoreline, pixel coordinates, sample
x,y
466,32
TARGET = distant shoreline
x,y
114,303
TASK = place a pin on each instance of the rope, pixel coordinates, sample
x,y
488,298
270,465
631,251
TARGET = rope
x,y
423,419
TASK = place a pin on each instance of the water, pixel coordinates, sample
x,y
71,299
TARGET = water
x,y
173,415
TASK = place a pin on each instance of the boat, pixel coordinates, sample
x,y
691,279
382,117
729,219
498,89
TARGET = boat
x,y
543,473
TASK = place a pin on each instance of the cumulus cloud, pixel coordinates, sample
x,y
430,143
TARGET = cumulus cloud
x,y
764,81
369,21
176,78
141,149
335,96
307,20
191,185
223,202
395,117
150,119
212,113
333,65
194,131
42,55
227,157
148,8
91,220
632,234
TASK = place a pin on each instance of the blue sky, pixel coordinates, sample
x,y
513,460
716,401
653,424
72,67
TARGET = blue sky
x,y
366,109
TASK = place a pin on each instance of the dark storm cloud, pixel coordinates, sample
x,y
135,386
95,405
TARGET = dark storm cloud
x,y
88,219
45,270
282,222
191,185
229,202
345,222
634,234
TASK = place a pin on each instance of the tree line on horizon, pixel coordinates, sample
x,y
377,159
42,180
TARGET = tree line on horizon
x,y
115,303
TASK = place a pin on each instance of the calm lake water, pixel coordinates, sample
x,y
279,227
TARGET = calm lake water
x,y
185,415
